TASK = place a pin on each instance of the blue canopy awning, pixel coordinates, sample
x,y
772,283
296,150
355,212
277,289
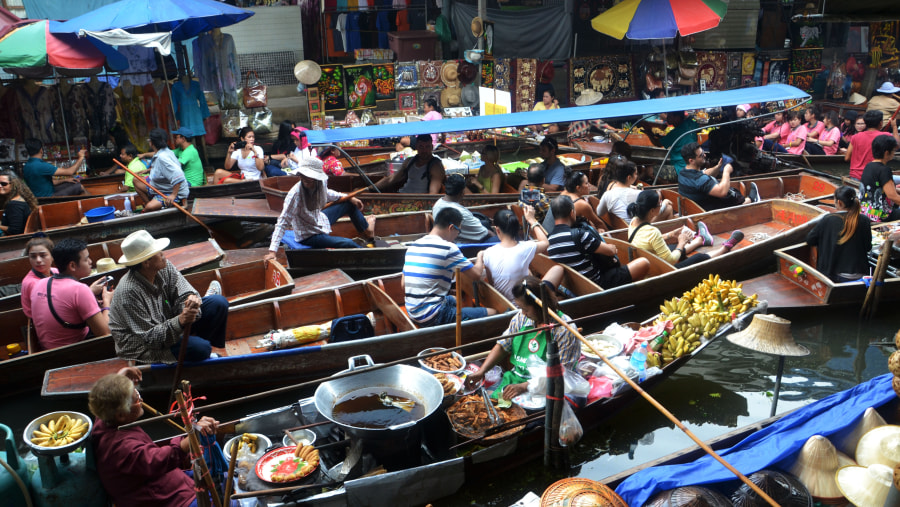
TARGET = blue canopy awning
x,y
183,18
768,93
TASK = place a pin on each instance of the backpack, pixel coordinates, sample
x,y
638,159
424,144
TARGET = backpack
x,y
600,262
351,327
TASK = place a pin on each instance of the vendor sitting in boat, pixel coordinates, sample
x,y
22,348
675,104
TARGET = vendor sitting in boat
x,y
842,239
697,183
673,140
166,175
306,213
153,303
38,173
428,271
472,230
518,349
131,467
422,174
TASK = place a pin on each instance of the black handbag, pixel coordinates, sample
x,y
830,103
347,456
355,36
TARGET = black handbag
x,y
351,327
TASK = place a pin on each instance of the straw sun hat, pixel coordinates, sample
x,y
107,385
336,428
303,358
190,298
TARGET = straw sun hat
x,y
880,445
577,492
816,465
307,72
450,74
311,167
784,488
106,264
865,486
769,334
140,246
588,97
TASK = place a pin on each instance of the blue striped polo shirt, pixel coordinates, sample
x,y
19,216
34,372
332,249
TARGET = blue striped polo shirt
x,y
428,273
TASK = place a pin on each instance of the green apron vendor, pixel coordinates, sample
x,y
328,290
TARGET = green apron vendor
x,y
519,348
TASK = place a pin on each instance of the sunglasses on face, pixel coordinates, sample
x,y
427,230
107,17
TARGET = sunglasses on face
x,y
4,183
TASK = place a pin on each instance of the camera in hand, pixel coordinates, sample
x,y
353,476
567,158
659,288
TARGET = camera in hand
x,y
530,196
239,145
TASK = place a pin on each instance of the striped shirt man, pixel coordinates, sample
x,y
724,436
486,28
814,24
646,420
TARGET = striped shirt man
x,y
428,273
564,251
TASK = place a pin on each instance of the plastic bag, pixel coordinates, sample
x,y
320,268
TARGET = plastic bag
x,y
570,430
261,120
575,384
232,121
537,384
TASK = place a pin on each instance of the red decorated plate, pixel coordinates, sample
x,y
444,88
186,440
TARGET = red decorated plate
x,y
281,461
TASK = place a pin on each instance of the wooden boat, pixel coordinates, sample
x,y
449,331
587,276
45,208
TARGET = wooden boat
x,y
776,223
94,186
242,364
245,283
64,220
766,444
796,283
443,470
203,255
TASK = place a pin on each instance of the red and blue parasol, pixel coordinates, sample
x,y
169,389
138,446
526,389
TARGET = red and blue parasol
x,y
659,19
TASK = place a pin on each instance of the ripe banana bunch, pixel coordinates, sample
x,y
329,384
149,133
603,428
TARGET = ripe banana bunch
x,y
250,440
59,432
698,314
307,453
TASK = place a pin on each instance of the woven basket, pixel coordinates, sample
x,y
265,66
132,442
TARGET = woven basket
x,y
578,492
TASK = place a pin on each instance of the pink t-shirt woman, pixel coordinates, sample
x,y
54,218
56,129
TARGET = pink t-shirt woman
x,y
832,134
27,284
800,133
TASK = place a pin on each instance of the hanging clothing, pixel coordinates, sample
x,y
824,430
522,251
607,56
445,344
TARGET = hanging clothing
x,y
10,120
141,61
37,114
130,113
354,37
78,106
102,115
190,106
158,107
215,62
383,24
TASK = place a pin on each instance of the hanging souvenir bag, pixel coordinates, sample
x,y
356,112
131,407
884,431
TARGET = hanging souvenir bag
x,y
255,94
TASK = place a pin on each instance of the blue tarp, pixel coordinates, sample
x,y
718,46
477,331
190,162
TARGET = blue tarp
x,y
777,444
61,9
770,93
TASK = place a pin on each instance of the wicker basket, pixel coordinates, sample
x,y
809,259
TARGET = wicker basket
x,y
578,492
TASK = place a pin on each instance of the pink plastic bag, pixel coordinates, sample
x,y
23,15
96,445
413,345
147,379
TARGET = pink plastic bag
x,y
601,387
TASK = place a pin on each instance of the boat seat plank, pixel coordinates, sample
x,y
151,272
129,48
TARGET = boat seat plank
x,y
780,292
245,255
256,209
237,347
323,280
81,377
389,308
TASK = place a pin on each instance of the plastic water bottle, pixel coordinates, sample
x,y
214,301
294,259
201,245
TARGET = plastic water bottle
x,y
128,204
639,362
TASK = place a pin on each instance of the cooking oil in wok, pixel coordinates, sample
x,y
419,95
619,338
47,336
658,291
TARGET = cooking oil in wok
x,y
364,408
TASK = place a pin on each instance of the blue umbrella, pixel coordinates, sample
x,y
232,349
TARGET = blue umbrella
x,y
183,18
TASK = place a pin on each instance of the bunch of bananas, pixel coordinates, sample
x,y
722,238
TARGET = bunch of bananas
x,y
58,432
697,314
250,440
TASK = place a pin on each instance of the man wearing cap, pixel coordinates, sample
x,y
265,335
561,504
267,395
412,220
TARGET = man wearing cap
x,y
165,174
188,157
304,211
153,303
422,174
884,101
65,310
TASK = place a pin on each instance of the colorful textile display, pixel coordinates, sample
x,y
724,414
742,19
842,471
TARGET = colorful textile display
x,y
130,112
215,62
385,81
526,80
360,81
430,74
331,87
502,74
190,105
408,101
429,93
803,80
407,75
713,68
883,44
157,106
806,59
610,75
487,73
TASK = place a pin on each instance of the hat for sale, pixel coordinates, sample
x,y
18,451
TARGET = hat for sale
x,y
307,72
450,73
477,27
588,97
451,97
467,72
470,96
888,87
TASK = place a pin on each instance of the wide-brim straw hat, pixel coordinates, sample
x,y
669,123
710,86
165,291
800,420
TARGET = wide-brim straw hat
x,y
106,264
450,73
477,27
880,445
307,72
140,246
577,492
588,97
451,97
856,99
470,96
865,486
870,420
311,167
769,334
816,465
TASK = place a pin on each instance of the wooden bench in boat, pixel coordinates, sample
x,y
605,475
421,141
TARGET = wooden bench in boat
x,y
65,214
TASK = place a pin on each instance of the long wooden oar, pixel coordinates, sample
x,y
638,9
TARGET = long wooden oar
x,y
658,405
186,212
347,197
176,379
172,423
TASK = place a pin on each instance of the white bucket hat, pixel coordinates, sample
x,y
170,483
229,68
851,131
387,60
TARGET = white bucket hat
x,y
140,246
311,167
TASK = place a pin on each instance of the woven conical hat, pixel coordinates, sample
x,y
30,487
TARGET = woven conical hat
x,y
769,334
307,72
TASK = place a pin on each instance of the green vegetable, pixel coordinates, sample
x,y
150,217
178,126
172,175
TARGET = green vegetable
x,y
501,403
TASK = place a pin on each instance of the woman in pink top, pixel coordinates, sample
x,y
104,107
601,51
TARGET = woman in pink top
x,y
776,133
827,143
796,141
432,112
814,126
38,252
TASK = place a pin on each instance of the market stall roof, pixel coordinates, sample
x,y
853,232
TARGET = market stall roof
x,y
770,93
183,18
33,45
843,11
7,21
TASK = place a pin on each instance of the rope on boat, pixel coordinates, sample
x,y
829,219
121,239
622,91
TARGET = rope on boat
x,y
756,237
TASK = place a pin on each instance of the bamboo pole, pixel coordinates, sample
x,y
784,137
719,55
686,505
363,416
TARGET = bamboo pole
x,y
196,452
172,423
459,294
877,279
659,406
229,479
182,351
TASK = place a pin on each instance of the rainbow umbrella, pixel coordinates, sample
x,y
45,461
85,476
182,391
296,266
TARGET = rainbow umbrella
x,y
32,45
659,19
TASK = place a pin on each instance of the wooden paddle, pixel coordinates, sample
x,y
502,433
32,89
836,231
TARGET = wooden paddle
x,y
347,197
458,307
762,494
181,353
229,479
186,212
153,411
196,451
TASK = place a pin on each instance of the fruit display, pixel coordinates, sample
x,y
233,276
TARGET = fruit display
x,y
306,460
697,315
250,440
60,431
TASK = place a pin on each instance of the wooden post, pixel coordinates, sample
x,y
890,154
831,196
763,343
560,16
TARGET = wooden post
x,y
459,296
176,378
554,454
196,452
870,303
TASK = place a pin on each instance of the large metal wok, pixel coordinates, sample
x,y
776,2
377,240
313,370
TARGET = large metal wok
x,y
420,385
